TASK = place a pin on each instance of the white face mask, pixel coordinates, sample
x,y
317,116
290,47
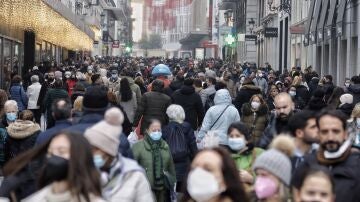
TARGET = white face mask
x,y
292,93
202,185
255,105
236,144
340,151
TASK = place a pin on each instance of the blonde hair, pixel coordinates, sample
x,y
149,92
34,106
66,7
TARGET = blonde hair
x,y
78,103
296,81
356,111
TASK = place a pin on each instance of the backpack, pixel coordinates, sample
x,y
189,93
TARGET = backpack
x,y
175,138
209,101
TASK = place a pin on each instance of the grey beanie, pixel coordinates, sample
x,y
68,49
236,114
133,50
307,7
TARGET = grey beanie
x,y
276,163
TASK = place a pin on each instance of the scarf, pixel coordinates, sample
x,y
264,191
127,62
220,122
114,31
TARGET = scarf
x,y
323,161
156,161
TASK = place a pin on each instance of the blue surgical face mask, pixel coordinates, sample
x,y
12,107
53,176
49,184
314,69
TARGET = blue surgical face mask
x,y
11,116
98,161
156,136
236,144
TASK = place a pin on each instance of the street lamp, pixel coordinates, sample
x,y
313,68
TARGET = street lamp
x,y
251,25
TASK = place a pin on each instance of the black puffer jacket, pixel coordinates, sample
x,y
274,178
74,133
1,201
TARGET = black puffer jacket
x,y
355,91
346,175
153,105
244,95
192,104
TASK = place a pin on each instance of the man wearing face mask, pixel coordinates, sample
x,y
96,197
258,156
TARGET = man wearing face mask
x,y
114,80
303,127
284,109
261,82
89,73
122,178
336,154
49,83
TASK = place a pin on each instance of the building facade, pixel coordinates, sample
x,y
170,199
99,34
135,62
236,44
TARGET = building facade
x,y
37,31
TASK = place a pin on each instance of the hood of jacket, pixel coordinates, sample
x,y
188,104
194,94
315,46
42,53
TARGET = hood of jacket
x,y
263,109
250,87
187,90
222,96
22,129
354,88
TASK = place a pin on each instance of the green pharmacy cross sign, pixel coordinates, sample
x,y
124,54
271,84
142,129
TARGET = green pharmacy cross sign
x,y
229,39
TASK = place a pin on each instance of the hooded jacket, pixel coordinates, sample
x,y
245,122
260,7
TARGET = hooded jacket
x,y
218,118
245,94
127,182
192,104
22,137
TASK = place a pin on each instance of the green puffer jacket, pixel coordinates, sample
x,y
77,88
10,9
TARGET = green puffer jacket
x,y
245,160
143,155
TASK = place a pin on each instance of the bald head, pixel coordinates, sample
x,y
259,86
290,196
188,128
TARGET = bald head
x,y
284,105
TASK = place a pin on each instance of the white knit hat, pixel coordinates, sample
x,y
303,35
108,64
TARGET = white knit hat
x,y
105,135
346,98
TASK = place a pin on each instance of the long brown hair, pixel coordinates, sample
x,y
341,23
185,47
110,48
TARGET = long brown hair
x,y
234,188
83,178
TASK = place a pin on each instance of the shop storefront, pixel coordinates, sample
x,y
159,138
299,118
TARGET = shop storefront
x,y
36,31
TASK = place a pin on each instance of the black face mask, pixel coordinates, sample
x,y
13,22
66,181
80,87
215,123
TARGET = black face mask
x,y
56,169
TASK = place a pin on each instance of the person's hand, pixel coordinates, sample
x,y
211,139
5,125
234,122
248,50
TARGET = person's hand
x,y
246,177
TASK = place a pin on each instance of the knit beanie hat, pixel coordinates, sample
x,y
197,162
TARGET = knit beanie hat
x,y
105,135
346,98
95,98
276,163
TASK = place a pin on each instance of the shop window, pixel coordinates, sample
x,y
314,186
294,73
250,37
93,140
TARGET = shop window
x,y
7,63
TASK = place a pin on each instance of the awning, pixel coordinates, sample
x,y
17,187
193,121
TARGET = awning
x,y
118,13
47,23
195,37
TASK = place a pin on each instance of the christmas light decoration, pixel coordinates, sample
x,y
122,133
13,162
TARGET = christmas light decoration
x,y
48,25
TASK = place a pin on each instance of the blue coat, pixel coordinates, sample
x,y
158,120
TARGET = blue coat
x,y
18,94
48,134
215,121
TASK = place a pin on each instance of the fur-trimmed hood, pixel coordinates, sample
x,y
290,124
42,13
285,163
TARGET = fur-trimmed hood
x,y
250,87
246,110
22,129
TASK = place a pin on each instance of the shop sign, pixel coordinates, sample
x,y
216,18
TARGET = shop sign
x,y
271,32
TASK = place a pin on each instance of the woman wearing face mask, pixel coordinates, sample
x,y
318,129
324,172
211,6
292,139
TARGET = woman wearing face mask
x,y
59,179
70,82
153,154
242,151
213,178
255,116
297,99
315,184
273,174
122,178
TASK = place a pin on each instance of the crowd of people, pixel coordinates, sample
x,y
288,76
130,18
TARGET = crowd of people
x,y
125,129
